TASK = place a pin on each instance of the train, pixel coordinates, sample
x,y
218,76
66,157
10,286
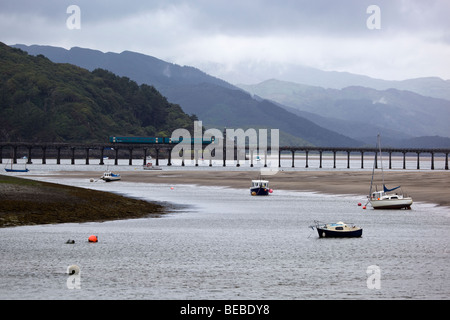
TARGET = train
x,y
157,140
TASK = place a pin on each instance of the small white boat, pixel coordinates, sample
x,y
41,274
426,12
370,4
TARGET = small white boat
x,y
109,176
150,166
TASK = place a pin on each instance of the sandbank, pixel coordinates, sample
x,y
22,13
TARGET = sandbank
x,y
423,185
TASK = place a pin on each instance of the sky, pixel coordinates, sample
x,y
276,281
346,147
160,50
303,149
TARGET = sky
x,y
395,40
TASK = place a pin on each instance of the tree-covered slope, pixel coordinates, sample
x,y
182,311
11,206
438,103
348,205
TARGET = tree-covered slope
x,y
217,103
45,101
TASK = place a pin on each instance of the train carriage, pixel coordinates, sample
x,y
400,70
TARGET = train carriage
x,y
155,140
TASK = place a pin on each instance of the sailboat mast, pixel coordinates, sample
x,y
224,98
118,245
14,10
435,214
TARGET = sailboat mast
x,y
373,172
381,158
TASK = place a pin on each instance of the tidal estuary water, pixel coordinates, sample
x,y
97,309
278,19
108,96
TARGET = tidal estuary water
x,y
225,244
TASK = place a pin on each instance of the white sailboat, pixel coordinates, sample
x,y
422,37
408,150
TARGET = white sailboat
x,y
386,198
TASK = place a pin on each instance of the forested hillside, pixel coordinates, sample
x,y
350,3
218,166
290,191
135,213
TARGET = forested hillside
x,y
217,103
45,101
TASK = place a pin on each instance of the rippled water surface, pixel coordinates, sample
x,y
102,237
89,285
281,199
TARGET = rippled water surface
x,y
226,244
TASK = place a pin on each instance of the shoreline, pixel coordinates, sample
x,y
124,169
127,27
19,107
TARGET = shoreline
x,y
424,186
25,202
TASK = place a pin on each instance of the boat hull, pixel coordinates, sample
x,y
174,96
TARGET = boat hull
x,y
392,203
326,233
110,179
259,191
16,170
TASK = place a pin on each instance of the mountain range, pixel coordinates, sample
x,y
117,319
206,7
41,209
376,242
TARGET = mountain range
x,y
305,114
217,103
361,112
256,72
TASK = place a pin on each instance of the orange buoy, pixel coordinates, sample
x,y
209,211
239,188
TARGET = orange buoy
x,y
93,238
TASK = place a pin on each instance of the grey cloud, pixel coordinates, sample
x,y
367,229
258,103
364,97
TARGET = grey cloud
x,y
322,29
250,17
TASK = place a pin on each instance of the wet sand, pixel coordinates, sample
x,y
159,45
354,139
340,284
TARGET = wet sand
x,y
29,202
424,186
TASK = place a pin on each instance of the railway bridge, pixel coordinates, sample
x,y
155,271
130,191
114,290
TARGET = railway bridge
x,y
89,151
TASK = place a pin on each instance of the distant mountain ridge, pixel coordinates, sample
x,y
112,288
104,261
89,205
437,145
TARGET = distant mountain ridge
x,y
250,74
215,102
434,142
361,112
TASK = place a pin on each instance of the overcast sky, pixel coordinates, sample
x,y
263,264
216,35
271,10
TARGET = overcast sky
x,y
413,39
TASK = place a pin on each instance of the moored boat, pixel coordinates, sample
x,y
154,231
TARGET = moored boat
x,y
15,170
383,200
386,199
150,166
260,188
109,176
337,230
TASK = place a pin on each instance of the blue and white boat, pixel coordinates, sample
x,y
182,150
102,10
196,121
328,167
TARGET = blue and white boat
x,y
109,176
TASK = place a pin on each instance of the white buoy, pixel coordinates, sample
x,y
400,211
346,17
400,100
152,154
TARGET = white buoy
x,y
73,269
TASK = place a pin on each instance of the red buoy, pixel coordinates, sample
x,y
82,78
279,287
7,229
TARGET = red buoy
x,y
270,190
364,207
93,238
359,204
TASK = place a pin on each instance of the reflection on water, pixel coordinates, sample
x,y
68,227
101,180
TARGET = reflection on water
x,y
227,244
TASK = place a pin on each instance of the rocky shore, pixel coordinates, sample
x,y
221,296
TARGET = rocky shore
x,y
29,202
